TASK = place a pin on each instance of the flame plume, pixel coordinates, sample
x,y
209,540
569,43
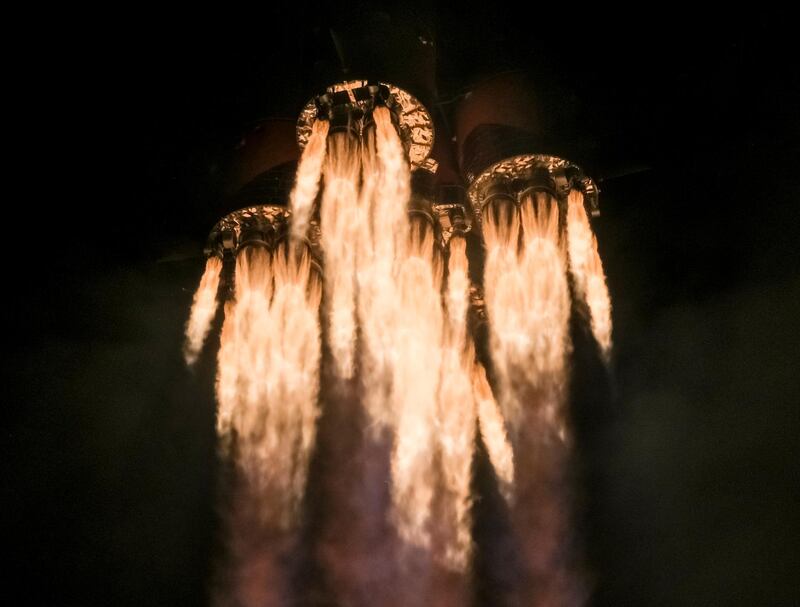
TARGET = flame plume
x,y
268,376
493,431
406,391
241,391
293,372
415,385
527,299
339,216
204,307
383,218
587,271
456,415
301,200
546,301
267,391
503,283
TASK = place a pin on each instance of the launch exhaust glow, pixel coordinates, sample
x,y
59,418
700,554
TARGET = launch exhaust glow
x,y
391,307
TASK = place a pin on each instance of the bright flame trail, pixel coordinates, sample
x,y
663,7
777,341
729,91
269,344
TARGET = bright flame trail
x,y
267,390
204,307
396,327
503,283
241,390
587,271
546,300
528,305
339,221
384,227
493,432
415,386
293,371
456,416
306,185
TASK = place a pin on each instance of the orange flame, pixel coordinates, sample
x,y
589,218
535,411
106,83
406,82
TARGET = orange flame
x,y
268,377
301,200
415,384
456,416
339,220
546,301
527,299
384,228
587,271
204,307
493,432
503,284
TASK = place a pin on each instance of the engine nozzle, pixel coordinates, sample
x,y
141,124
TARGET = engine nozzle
x,y
349,107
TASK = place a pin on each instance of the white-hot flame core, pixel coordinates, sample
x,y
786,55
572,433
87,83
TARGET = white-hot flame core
x,y
532,373
587,271
204,307
339,221
493,432
420,383
243,346
383,220
527,300
268,378
301,200
295,356
546,300
415,382
504,286
456,415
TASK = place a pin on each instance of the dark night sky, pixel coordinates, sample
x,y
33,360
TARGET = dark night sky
x,y
110,441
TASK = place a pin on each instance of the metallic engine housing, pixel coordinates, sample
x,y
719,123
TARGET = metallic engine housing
x,y
264,225
451,219
452,212
520,175
359,98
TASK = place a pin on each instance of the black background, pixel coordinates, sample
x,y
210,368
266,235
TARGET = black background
x,y
110,440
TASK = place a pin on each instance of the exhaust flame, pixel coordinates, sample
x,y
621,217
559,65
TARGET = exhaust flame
x,y
587,271
527,299
418,358
546,299
301,200
384,228
339,220
456,415
267,391
377,298
493,432
293,372
503,283
427,408
204,307
241,391
268,376
395,324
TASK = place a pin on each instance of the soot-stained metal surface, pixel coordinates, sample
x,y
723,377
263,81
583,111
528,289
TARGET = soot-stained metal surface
x,y
414,122
265,225
521,173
